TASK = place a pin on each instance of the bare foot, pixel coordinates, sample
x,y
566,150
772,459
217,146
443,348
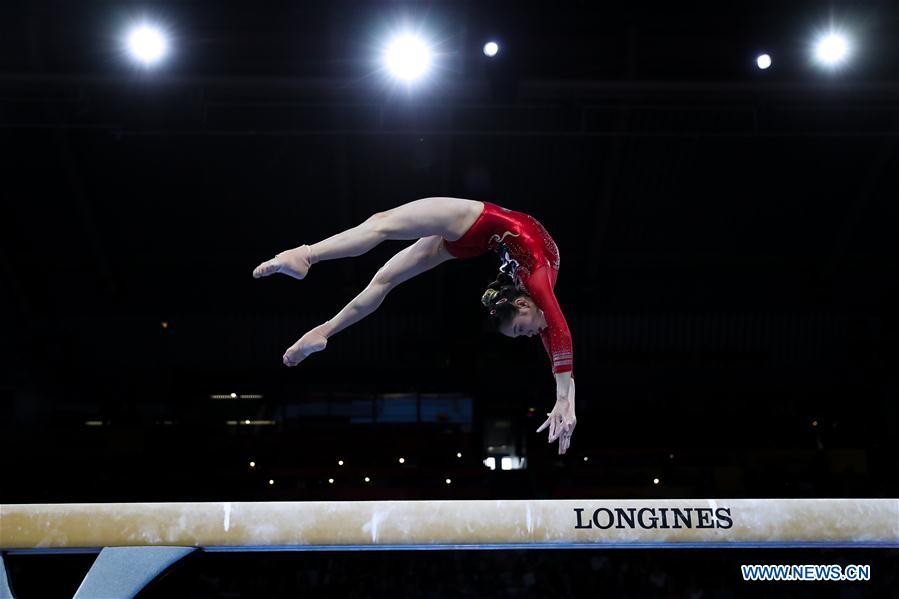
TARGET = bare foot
x,y
308,344
294,263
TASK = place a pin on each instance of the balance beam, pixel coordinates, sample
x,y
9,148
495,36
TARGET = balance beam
x,y
137,541
436,524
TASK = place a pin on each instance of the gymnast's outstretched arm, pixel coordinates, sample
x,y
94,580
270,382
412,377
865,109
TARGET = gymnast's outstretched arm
x,y
423,255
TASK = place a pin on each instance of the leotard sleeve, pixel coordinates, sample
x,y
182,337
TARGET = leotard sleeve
x,y
556,337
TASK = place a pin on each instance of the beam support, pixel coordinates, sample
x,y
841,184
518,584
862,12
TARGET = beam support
x,y
122,572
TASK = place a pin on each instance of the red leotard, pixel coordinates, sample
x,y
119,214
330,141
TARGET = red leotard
x,y
532,257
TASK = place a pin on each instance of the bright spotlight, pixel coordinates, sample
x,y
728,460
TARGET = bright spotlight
x,y
147,44
491,48
407,57
764,61
832,49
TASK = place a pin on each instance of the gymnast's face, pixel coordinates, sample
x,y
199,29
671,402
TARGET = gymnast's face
x,y
528,321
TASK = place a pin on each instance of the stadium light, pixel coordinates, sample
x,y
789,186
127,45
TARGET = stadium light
x,y
832,49
407,57
147,44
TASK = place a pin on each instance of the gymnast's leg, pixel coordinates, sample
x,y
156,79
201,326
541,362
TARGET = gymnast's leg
x,y
446,217
424,254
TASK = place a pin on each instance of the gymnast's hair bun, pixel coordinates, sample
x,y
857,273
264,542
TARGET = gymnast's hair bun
x,y
499,296
489,297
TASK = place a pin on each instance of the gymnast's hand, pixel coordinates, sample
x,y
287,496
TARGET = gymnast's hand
x,y
309,343
562,420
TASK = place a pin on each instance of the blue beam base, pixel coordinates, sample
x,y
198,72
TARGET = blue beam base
x,y
123,571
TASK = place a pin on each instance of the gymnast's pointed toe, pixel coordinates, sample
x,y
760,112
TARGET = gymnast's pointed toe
x,y
269,267
311,342
293,263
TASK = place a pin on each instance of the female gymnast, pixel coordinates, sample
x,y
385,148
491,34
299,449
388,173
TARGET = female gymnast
x,y
521,301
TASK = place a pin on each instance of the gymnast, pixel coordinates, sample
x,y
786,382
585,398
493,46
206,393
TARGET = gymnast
x,y
521,301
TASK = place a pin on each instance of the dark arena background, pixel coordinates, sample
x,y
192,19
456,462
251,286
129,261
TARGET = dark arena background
x,y
729,237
